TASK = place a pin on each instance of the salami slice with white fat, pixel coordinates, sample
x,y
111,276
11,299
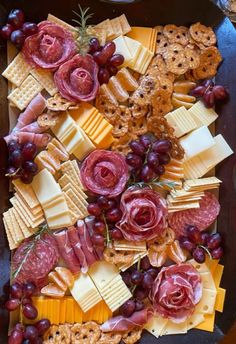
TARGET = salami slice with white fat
x,y
201,217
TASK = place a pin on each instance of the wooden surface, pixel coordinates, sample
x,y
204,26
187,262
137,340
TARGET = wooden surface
x,y
152,13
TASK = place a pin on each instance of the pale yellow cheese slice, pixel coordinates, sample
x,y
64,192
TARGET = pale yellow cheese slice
x,y
202,115
181,121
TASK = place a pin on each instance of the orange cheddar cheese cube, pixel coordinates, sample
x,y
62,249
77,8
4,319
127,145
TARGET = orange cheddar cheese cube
x,y
104,124
63,304
70,310
78,313
100,141
83,113
56,311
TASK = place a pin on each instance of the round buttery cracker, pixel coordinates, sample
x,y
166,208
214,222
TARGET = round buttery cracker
x,y
210,59
176,34
175,59
202,34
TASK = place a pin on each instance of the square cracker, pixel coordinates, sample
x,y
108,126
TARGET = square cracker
x,y
45,78
63,24
12,243
27,193
77,193
26,231
18,70
72,206
70,193
71,168
35,211
15,224
23,94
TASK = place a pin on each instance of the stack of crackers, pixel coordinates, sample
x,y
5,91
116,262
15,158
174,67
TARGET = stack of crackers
x,y
114,27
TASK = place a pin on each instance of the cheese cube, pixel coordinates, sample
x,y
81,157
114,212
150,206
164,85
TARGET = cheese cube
x,y
62,318
197,142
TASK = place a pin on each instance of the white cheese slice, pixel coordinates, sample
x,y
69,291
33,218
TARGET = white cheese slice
x,y
156,326
75,141
64,123
181,121
173,328
197,142
208,281
102,273
122,48
60,221
207,302
57,209
195,320
202,115
84,148
134,48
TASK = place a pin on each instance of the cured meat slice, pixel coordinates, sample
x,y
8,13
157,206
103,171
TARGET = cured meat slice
x,y
34,128
37,258
86,242
89,221
121,323
176,291
201,217
41,140
144,214
75,243
66,250
77,78
50,47
31,113
104,173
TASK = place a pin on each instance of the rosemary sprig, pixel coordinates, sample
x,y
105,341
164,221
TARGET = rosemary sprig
x,y
31,245
108,239
166,185
82,28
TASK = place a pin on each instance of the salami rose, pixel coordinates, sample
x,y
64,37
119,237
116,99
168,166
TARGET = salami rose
x,y
50,47
176,291
77,78
37,260
104,173
144,214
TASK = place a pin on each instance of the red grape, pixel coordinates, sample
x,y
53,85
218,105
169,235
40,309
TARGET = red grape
x,y
13,145
220,92
203,238
137,277
116,234
103,76
145,263
153,272
140,293
159,170
128,308
30,28
94,209
94,45
98,239
29,151
6,31
186,244
112,70
138,305
29,289
100,58
217,253
26,300
126,278
26,177
114,214
30,312
147,174
162,146
199,255
164,158
102,201
145,140
99,227
214,241
116,60
134,160
198,91
112,204
42,326
16,290
18,38
16,337
30,167
31,332
15,159
137,148
109,49
19,327
16,18
12,304
209,99
153,159
147,281
193,234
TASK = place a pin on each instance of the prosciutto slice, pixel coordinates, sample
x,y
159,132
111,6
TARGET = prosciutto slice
x,y
75,243
77,78
86,243
34,128
66,250
104,172
31,113
89,221
120,323
41,140
50,47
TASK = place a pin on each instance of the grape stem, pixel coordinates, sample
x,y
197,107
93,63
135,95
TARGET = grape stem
x,y
12,174
108,240
207,251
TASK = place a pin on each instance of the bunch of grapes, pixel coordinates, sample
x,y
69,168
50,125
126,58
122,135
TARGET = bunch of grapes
x,y
29,334
107,213
17,29
210,93
106,59
148,158
201,243
21,164
140,281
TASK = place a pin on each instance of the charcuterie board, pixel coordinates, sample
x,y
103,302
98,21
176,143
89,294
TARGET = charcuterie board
x,y
111,162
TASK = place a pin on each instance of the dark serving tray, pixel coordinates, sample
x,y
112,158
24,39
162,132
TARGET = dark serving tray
x,y
149,13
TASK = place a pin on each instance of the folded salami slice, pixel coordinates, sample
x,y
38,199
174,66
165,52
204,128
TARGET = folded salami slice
x,y
86,243
121,323
201,217
77,78
50,47
75,243
66,250
37,260
104,173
